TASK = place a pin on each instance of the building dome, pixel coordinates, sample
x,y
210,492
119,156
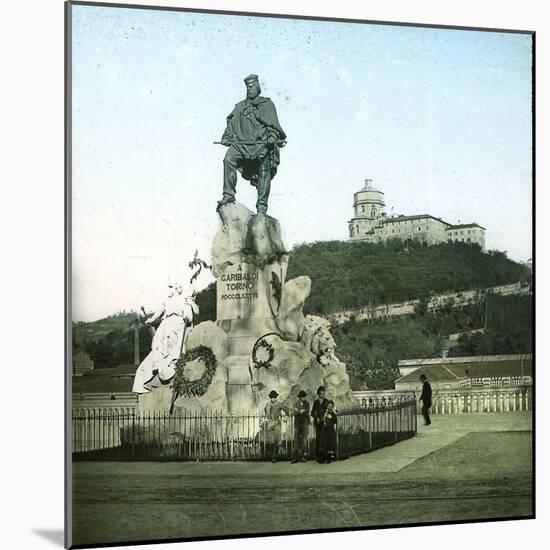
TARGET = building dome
x,y
368,200
368,206
369,188
368,195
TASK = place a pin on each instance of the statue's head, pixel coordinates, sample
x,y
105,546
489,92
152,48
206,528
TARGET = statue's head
x,y
171,288
174,286
252,86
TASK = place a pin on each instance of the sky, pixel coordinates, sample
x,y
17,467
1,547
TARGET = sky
x,y
439,119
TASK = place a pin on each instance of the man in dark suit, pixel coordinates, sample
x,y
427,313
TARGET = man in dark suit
x,y
301,427
426,399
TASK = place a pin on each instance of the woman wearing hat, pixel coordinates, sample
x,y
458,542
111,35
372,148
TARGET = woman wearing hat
x,y
301,427
274,412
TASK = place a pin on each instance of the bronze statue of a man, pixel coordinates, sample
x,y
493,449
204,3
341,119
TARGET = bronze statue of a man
x,y
254,136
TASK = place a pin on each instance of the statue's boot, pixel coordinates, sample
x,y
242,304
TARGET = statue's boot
x,y
224,201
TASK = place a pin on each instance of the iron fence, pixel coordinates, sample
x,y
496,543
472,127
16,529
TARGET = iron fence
x,y
126,434
378,423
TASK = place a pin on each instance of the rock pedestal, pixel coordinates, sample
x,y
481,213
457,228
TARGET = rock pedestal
x,y
159,399
249,261
255,302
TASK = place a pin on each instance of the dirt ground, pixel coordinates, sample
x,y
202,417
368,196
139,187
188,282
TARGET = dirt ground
x,y
460,468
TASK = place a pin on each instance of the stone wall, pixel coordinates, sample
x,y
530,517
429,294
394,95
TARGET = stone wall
x,y
456,299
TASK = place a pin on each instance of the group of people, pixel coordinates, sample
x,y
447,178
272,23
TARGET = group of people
x,y
324,418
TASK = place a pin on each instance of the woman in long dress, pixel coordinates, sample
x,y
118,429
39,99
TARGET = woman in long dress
x,y
327,438
168,342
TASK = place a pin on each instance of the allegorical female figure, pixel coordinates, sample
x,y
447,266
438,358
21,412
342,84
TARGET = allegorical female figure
x,y
176,318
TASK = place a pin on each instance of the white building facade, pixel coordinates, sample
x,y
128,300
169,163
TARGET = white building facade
x,y
371,224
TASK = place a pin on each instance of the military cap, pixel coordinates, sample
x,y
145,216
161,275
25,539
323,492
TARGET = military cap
x,y
273,393
250,78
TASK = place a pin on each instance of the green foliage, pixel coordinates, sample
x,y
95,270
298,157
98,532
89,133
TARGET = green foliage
x,y
506,311
448,319
371,351
493,342
352,275
508,328
110,341
348,275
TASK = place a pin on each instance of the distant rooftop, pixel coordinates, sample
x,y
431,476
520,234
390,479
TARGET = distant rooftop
x,y
417,217
460,371
465,359
464,225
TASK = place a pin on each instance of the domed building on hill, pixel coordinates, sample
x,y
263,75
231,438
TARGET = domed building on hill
x,y
371,224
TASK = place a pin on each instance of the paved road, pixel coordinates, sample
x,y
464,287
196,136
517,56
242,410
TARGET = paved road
x,y
461,467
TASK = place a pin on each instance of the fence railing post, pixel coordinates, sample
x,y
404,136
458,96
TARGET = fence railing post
x,y
133,434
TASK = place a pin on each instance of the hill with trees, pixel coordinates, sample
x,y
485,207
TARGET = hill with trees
x,y
110,341
348,275
371,350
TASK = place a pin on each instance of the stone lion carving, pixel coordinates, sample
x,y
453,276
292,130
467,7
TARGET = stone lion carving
x,y
316,337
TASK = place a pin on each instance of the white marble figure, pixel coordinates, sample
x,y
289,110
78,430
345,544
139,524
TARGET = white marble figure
x,y
168,343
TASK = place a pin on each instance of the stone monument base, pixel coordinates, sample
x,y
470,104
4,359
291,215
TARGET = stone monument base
x,y
255,302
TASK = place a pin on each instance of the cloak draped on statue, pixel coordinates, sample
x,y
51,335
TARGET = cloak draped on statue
x,y
252,121
168,342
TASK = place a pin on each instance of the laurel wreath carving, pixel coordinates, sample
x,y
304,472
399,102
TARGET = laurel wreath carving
x,y
263,344
189,388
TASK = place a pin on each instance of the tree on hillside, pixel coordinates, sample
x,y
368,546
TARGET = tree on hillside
x,y
371,351
117,347
502,342
351,275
